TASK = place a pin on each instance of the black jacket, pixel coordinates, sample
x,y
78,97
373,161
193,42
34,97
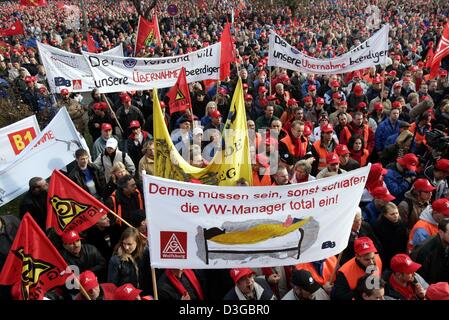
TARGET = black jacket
x,y
434,258
393,238
8,231
36,206
89,259
104,240
78,176
168,292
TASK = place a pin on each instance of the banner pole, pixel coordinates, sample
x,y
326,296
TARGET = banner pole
x,y
270,79
153,278
125,222
115,116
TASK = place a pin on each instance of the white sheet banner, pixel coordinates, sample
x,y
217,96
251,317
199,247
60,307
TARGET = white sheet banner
x,y
114,74
69,70
53,148
205,227
15,137
370,53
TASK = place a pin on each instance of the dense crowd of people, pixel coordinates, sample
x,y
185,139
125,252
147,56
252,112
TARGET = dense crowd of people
x,y
301,127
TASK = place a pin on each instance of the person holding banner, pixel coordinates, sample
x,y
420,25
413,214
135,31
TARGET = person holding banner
x,y
248,287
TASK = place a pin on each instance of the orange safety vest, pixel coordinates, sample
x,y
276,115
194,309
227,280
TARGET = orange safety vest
x,y
291,146
322,153
430,228
353,272
346,134
364,158
117,208
264,181
329,266
419,138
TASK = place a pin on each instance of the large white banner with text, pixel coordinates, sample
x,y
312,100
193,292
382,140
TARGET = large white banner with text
x,y
15,137
69,70
204,227
114,74
370,53
52,149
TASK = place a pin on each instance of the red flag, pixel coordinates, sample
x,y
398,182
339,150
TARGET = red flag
x,y
61,5
91,43
147,34
227,52
429,58
15,29
179,94
33,261
441,52
70,207
33,3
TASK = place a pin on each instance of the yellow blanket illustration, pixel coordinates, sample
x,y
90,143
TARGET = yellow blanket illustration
x,y
258,233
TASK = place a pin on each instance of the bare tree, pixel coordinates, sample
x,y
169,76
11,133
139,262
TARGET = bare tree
x,y
140,6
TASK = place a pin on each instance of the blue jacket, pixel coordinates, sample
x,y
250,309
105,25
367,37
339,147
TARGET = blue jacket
x,y
383,131
370,213
396,184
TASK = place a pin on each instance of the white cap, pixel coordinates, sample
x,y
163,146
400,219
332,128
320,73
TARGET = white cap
x,y
197,130
111,143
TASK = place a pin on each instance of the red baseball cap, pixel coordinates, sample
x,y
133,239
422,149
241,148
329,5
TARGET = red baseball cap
x,y
402,263
312,87
382,193
215,114
319,100
364,245
70,237
292,102
162,104
88,280
100,106
442,165
64,91
307,131
335,83
125,98
105,127
262,89
361,105
409,161
307,98
336,95
239,273
332,158
343,103
378,106
358,90
327,128
134,124
248,97
396,105
443,73
126,292
423,185
441,206
342,149
438,291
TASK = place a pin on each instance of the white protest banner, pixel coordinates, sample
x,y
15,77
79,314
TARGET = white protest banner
x,y
370,53
15,137
206,227
114,74
69,70
53,148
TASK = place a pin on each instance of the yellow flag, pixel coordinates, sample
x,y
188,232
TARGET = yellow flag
x,y
229,164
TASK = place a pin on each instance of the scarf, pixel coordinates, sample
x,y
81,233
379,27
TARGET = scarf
x,y
408,293
192,279
299,152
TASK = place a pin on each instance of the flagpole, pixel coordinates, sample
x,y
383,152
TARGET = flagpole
x,y
125,222
137,35
153,279
115,116
82,290
270,78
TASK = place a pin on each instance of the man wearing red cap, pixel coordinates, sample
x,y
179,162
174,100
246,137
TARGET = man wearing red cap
x,y
332,167
403,283
247,287
415,201
82,255
346,162
401,175
128,113
99,145
438,174
74,108
136,140
427,225
101,114
342,107
335,87
381,196
30,96
216,122
96,291
323,147
366,260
